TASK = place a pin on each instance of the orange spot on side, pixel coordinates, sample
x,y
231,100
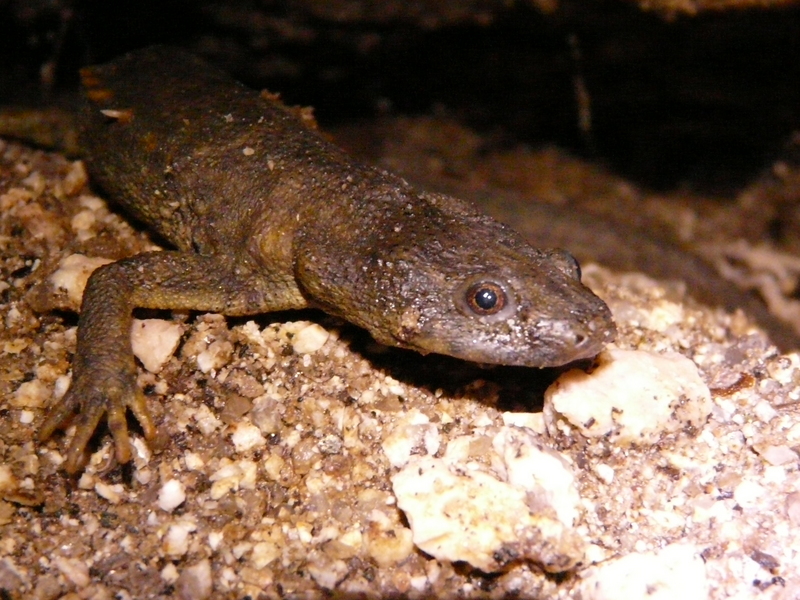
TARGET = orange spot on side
x,y
99,94
89,78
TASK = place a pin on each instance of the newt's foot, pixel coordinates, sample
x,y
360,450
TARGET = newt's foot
x,y
92,397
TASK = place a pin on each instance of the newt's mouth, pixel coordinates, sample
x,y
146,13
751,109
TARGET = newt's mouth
x,y
549,344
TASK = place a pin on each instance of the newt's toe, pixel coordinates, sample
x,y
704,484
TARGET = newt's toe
x,y
56,417
87,422
93,403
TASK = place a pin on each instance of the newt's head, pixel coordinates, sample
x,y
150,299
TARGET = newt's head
x,y
536,314
513,307
449,280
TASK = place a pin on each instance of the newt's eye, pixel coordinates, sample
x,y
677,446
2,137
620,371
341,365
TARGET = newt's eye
x,y
485,298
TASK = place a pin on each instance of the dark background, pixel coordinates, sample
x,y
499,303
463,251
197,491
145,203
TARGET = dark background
x,y
705,101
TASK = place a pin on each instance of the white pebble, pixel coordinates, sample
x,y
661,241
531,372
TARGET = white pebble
x,y
76,571
171,495
247,436
411,432
215,538
632,396
748,493
154,341
459,511
310,339
193,461
764,411
675,572
604,472
72,274
195,583
30,394
214,356
169,573
176,541
264,553
777,455
540,471
232,476
112,493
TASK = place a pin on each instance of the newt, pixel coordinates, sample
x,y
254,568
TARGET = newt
x,y
265,215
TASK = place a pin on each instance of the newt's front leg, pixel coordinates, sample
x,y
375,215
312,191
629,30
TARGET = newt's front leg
x,y
104,369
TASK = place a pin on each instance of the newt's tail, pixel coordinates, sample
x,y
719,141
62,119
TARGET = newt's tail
x,y
53,128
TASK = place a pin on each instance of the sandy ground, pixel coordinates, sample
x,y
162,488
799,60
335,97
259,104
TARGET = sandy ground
x,y
281,437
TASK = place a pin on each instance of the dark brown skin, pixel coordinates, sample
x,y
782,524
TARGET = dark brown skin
x,y
266,215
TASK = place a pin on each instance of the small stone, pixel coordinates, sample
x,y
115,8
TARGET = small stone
x,y
76,571
326,571
171,495
632,396
7,512
30,394
605,473
389,548
764,411
7,479
170,573
532,421
776,455
264,553
676,571
72,274
233,476
176,541
75,179
112,493
154,341
412,431
793,508
11,580
215,356
471,516
195,582
310,339
748,493
247,436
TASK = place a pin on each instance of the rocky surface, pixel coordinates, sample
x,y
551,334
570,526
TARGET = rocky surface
x,y
296,457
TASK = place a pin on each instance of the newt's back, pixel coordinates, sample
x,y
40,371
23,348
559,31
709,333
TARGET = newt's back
x,y
196,155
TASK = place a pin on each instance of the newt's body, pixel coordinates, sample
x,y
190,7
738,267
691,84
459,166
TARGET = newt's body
x,y
265,215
